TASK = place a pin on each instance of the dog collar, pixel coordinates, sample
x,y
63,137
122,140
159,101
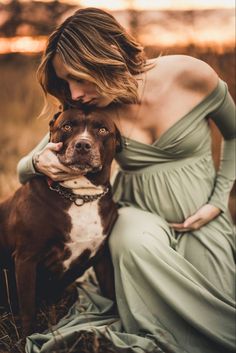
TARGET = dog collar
x,y
78,199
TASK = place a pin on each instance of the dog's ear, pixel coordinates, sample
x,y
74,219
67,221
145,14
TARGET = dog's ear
x,y
118,140
52,121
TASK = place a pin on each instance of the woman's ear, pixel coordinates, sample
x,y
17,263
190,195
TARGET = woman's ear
x,y
118,140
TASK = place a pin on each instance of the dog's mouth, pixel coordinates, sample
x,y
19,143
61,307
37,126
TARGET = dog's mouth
x,y
80,167
84,168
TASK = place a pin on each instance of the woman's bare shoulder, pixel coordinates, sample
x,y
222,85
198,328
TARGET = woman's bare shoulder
x,y
186,71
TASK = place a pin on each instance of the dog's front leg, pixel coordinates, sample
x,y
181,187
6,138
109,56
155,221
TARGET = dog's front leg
x,y
105,274
26,286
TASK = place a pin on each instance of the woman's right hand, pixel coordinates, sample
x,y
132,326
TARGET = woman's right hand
x,y
46,162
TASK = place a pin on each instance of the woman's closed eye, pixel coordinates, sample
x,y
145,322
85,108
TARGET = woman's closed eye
x,y
77,79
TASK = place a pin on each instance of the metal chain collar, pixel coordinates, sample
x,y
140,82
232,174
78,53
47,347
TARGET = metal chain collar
x,y
78,200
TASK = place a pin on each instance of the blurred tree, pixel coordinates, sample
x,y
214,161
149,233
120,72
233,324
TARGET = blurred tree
x,y
14,8
32,17
134,19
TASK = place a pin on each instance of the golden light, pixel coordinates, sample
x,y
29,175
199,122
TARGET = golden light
x,y
156,4
22,44
209,30
146,5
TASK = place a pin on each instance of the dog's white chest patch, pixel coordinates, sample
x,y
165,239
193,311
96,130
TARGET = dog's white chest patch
x,y
86,231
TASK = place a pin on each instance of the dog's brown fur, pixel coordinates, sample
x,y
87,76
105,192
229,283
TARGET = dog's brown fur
x,y
35,222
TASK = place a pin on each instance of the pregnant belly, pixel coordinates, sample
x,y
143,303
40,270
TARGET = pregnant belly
x,y
173,195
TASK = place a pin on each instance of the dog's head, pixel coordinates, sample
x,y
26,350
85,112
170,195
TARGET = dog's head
x,y
90,139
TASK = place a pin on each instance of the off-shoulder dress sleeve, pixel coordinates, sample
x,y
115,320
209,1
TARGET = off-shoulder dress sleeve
x,y
224,118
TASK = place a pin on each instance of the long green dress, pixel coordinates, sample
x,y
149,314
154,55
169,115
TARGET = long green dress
x,y
174,290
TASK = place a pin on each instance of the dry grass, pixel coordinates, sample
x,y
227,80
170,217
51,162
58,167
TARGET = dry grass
x,y
11,340
82,342
47,316
21,101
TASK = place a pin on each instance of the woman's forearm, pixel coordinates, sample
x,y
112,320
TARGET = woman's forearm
x,y
224,118
25,167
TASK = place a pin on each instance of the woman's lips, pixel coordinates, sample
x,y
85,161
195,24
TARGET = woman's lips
x,y
87,102
91,101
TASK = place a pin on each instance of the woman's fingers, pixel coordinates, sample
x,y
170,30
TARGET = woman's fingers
x,y
203,216
60,176
192,221
58,167
179,227
46,162
54,146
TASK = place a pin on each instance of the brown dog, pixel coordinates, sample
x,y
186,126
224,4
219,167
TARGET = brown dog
x,y
73,218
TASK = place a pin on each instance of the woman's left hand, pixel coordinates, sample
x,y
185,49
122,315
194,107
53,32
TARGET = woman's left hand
x,y
203,216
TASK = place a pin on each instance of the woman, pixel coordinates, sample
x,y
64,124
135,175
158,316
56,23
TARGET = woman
x,y
172,245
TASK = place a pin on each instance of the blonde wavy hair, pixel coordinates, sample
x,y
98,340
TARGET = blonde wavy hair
x,y
93,43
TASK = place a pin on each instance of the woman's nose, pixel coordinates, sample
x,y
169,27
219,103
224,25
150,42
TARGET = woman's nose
x,y
76,92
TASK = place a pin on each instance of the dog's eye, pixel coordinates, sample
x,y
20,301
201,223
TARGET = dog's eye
x,y
103,131
67,127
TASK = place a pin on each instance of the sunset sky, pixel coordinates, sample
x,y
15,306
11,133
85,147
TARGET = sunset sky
x,y
151,4
210,29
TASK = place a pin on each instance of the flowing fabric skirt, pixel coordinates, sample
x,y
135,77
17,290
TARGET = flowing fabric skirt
x,y
165,303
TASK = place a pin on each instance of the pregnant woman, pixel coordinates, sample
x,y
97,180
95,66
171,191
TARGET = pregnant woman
x,y
172,246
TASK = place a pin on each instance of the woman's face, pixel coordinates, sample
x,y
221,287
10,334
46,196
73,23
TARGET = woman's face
x,y
80,88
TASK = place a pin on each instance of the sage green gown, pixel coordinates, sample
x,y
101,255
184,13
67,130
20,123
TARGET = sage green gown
x,y
174,290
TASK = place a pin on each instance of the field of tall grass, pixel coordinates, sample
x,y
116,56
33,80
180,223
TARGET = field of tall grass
x,y
21,101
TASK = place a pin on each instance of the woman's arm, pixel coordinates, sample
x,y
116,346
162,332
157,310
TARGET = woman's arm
x,y
46,163
224,118
25,167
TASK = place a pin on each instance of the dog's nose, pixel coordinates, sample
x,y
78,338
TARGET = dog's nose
x,y
83,145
